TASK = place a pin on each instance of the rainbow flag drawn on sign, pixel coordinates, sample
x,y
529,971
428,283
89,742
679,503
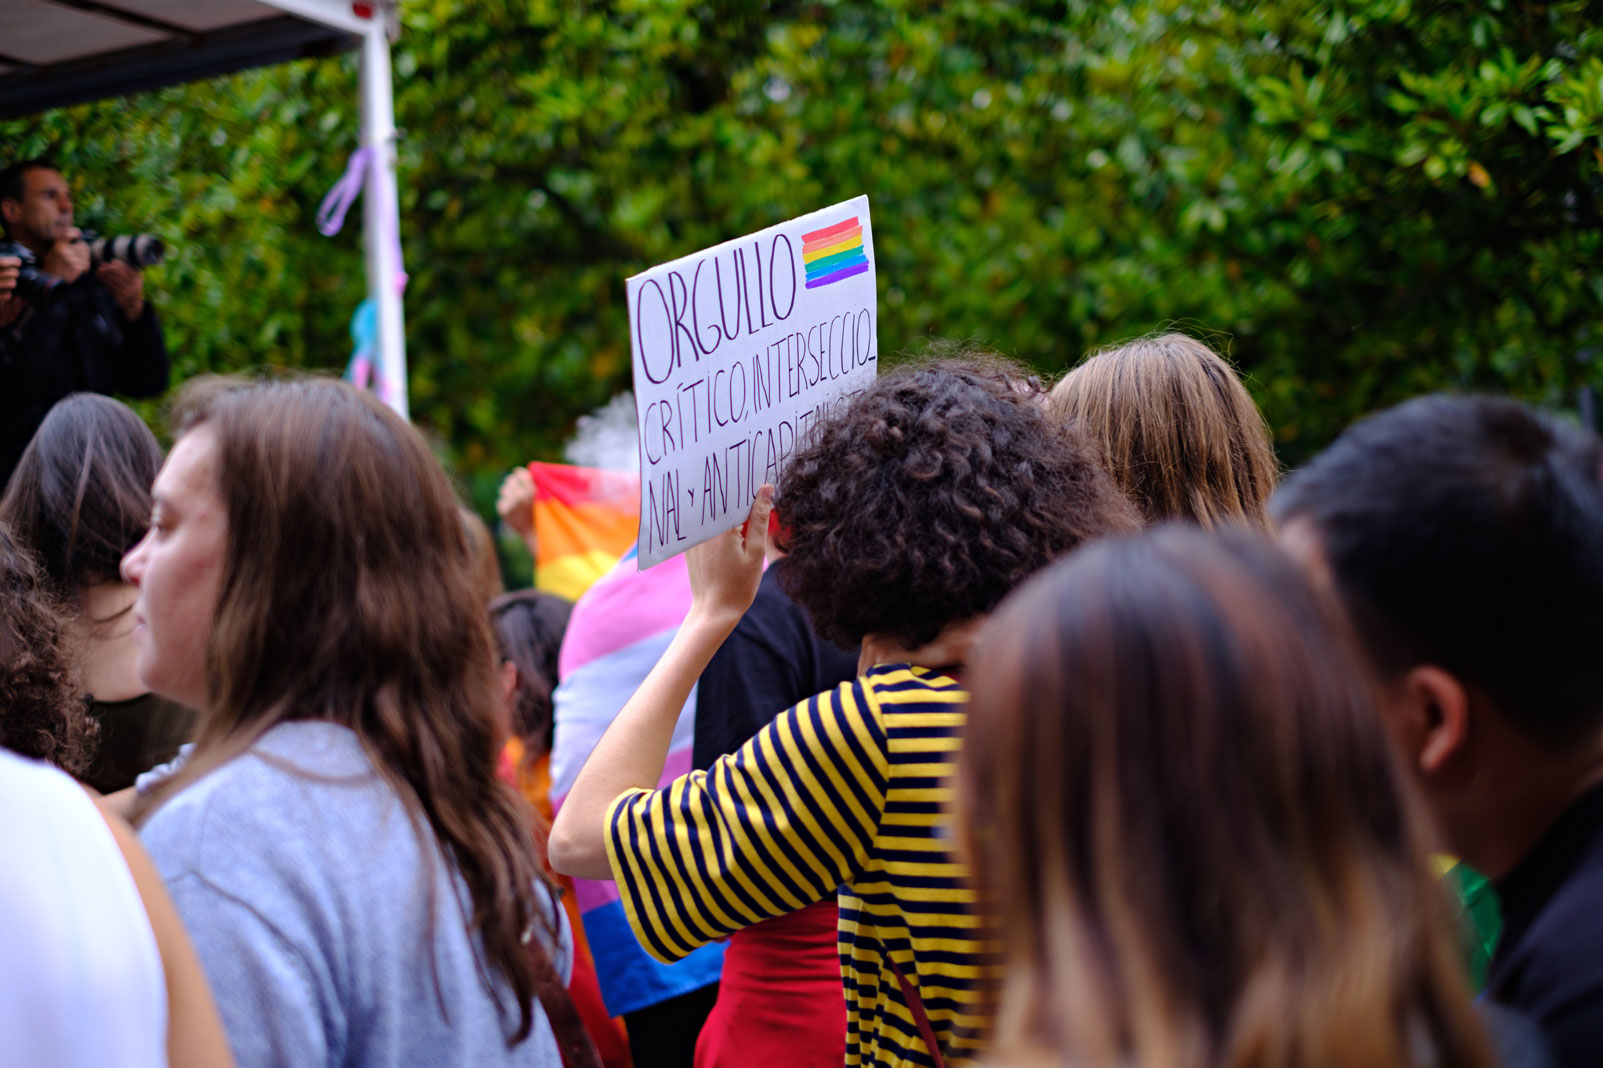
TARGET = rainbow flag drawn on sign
x,y
834,253
585,520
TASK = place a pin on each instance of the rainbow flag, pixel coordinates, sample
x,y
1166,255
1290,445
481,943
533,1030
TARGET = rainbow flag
x,y
617,632
834,253
585,520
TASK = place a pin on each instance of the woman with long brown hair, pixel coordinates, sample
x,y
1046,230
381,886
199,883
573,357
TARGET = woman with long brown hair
x,y
1175,428
359,885
1179,803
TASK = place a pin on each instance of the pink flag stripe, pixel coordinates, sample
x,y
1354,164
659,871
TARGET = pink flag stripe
x,y
615,614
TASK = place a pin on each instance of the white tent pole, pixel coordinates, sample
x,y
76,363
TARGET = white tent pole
x,y
381,215
339,14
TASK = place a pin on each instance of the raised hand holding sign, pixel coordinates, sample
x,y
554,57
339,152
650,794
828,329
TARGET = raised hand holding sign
x,y
738,352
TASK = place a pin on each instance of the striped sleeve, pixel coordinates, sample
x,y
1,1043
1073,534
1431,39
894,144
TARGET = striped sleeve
x,y
774,827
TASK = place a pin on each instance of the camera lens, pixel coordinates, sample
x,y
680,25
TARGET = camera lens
x,y
137,250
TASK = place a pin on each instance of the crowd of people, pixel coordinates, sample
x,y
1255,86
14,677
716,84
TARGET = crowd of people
x,y
1021,723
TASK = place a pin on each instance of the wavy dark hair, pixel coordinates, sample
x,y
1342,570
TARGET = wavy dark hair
x,y
1444,521
931,496
529,625
1177,797
351,595
80,496
42,711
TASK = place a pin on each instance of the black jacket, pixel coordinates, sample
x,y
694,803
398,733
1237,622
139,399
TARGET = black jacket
x,y
72,339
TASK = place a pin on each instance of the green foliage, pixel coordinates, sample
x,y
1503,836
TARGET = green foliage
x,y
1361,200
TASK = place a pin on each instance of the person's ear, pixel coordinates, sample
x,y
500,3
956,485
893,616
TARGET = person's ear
x,y
1438,718
509,682
11,211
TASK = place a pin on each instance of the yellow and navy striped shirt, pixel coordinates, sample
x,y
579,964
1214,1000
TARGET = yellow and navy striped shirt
x,y
844,794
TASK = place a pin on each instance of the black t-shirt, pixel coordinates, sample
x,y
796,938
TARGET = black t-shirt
x,y
771,662
1549,964
135,736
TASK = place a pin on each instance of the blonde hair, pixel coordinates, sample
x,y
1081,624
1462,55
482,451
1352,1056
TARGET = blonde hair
x,y
1176,429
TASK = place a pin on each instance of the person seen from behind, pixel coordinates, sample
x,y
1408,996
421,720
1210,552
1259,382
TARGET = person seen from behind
x,y
620,627
80,499
359,885
41,706
529,625
1176,429
96,968
1178,801
779,996
1464,537
906,519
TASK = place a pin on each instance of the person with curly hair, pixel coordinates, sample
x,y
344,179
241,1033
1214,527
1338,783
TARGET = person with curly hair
x,y
906,520
41,710
89,931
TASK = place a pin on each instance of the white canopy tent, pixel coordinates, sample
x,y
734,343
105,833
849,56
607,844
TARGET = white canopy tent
x,y
58,52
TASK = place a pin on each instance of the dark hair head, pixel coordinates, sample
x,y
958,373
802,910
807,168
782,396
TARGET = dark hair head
x,y
80,496
13,184
1176,429
42,711
1178,799
934,493
529,625
1464,532
350,595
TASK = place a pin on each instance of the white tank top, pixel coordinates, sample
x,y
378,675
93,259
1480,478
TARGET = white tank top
x,y
81,979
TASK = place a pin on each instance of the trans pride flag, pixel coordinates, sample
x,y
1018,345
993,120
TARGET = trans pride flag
x,y
585,520
618,631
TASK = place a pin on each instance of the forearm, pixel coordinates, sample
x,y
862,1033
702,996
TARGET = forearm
x,y
633,751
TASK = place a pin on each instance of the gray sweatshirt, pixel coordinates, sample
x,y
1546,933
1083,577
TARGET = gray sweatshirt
x,y
306,891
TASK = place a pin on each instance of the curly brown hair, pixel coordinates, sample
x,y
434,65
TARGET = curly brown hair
x,y
931,496
42,711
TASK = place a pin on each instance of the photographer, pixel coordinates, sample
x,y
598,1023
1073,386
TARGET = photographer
x,y
66,325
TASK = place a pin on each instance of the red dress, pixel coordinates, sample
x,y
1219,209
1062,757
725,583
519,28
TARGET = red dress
x,y
780,1000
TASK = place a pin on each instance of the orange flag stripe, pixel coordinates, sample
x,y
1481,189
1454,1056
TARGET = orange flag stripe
x,y
566,530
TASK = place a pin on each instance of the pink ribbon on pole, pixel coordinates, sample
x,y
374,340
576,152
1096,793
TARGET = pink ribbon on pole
x,y
331,214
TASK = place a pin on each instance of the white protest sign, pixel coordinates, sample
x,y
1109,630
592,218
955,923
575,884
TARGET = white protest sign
x,y
739,351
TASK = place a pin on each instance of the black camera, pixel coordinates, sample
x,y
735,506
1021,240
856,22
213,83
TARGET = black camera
x,y
136,250
31,281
